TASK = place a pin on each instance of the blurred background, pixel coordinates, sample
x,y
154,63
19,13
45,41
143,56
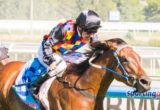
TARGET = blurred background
x,y
135,20
24,22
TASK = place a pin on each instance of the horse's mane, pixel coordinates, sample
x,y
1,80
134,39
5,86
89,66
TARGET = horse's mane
x,y
82,67
118,41
79,68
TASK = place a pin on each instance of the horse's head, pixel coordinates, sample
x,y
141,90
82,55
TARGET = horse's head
x,y
125,65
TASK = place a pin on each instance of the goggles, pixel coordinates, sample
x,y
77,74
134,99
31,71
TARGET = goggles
x,y
91,30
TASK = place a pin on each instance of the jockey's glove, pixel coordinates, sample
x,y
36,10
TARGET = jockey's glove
x,y
53,65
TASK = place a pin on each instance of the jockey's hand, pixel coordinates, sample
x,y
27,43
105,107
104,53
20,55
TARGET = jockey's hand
x,y
53,65
95,44
99,45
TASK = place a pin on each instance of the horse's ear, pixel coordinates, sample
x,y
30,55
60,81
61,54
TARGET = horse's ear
x,y
3,53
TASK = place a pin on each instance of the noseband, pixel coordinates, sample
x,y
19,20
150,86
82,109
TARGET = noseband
x,y
125,74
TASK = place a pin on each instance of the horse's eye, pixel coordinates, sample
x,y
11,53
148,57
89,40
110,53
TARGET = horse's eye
x,y
124,60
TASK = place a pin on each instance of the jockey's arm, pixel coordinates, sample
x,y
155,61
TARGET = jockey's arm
x,y
55,36
95,43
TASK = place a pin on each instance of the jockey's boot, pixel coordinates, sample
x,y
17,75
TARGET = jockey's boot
x,y
36,86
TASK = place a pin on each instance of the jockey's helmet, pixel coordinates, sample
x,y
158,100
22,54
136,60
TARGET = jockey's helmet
x,y
88,21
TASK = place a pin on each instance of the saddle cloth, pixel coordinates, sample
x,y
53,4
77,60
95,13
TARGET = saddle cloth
x,y
30,73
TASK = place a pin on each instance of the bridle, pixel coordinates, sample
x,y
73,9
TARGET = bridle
x,y
115,53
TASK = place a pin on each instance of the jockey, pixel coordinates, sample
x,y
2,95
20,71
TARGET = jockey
x,y
67,37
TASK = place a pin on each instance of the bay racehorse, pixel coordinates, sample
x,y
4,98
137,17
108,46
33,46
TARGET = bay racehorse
x,y
83,86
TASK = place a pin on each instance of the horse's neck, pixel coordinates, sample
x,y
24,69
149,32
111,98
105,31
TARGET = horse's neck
x,y
96,79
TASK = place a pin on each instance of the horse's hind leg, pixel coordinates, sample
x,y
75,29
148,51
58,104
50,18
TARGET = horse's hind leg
x,y
14,102
3,105
1,108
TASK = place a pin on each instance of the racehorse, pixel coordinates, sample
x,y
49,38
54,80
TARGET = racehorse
x,y
83,86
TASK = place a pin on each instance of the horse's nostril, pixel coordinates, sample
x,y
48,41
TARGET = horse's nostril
x,y
145,81
143,84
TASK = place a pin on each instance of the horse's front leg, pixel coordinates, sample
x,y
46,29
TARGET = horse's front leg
x,y
99,104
